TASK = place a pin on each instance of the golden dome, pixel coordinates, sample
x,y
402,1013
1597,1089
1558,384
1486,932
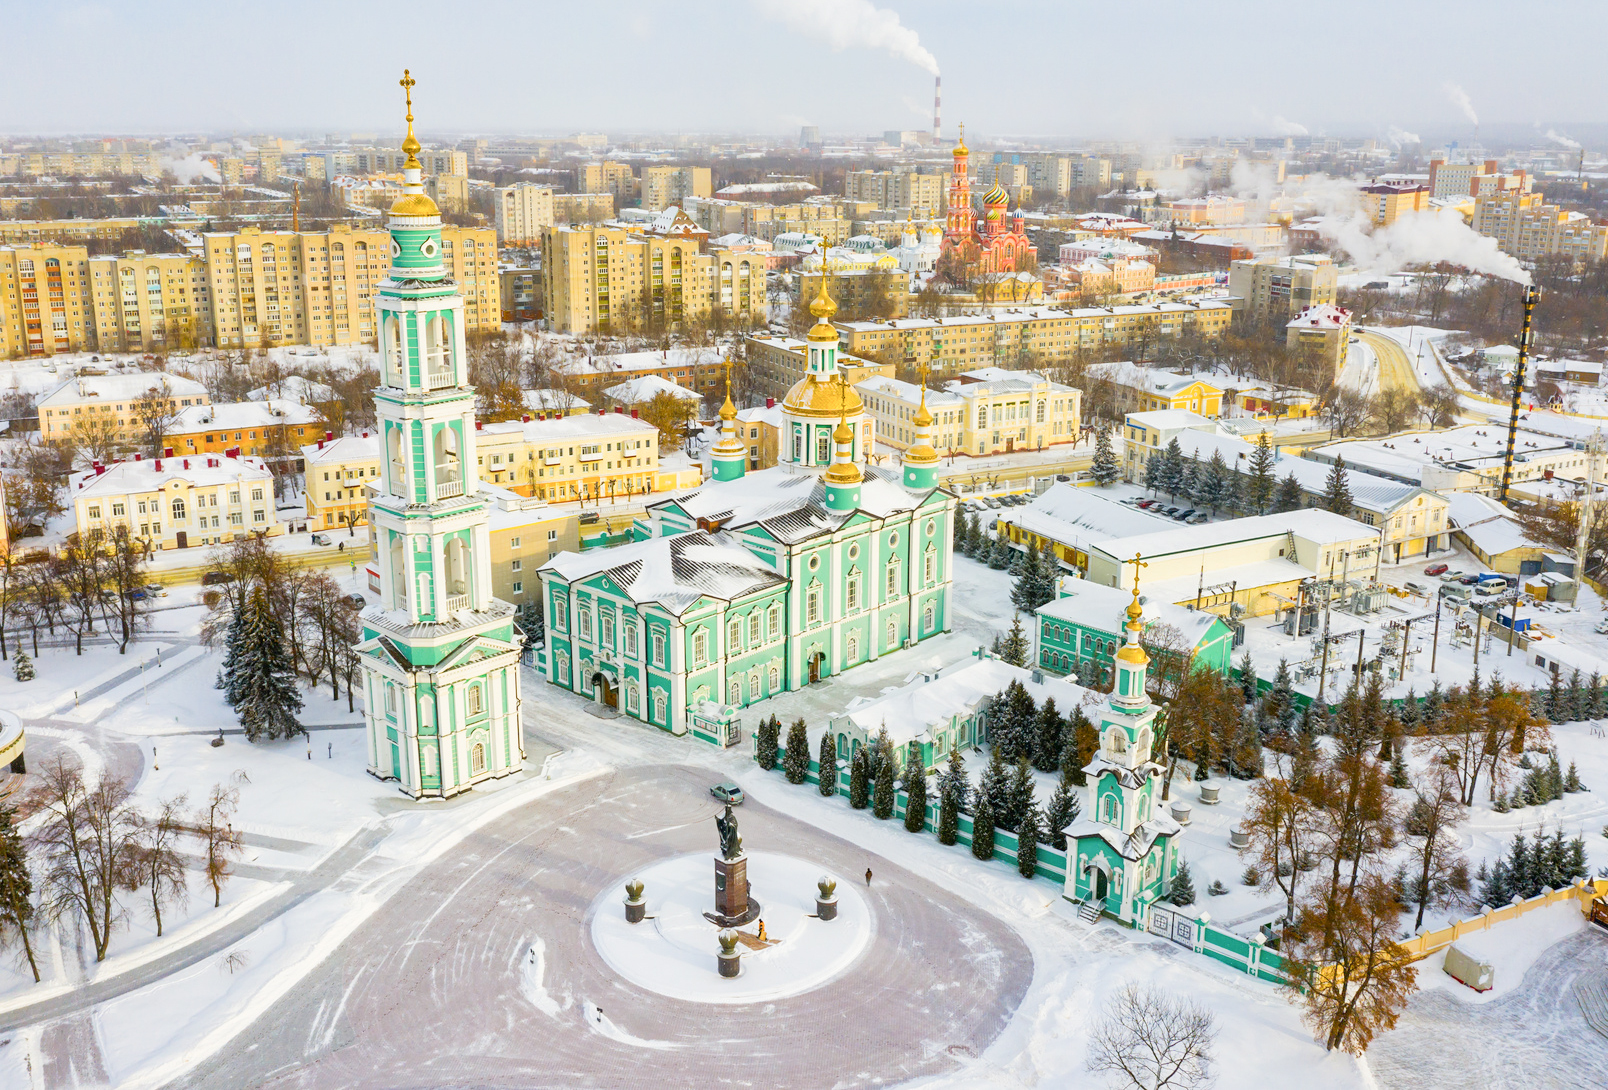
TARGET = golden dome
x,y
996,195
822,305
960,151
843,473
414,204
728,411
920,454
1132,652
923,417
813,395
843,433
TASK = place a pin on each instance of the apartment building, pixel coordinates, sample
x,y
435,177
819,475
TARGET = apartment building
x,y
176,503
582,207
874,289
525,533
45,300
81,165
1044,172
80,402
1028,336
1323,332
580,458
338,474
824,220
1276,289
775,364
663,187
597,279
987,411
392,161
608,177
147,302
521,212
77,230
586,379
1530,229
922,195
274,429
519,288
1473,178
1385,203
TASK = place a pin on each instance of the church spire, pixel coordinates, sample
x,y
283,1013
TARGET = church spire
x,y
728,459
920,458
843,478
415,220
1132,662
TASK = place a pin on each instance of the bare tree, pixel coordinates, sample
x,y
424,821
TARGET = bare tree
x,y
157,861
157,412
85,841
1281,826
1148,1040
221,840
124,600
96,437
80,571
1431,824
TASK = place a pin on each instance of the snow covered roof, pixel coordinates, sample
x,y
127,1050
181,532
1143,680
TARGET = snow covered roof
x,y
547,399
344,448
1163,419
673,572
753,188
151,474
1368,492
580,426
121,388
1488,525
1036,314
1321,316
928,699
789,505
657,360
639,390
1404,457
1184,589
1088,603
1157,380
293,388
1321,527
233,415
909,392
1078,516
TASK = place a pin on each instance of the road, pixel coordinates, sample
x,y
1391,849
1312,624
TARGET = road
x,y
429,990
1395,366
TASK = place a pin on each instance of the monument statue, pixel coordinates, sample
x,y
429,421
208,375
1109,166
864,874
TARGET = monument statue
x,y
731,842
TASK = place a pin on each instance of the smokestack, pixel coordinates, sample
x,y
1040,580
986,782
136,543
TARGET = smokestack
x,y
937,108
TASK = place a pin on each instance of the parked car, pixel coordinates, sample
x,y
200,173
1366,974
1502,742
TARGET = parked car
x,y
356,601
1488,590
156,590
1492,577
1469,580
1454,590
1451,577
323,539
1437,569
1186,513
727,792
137,594
1602,627
1145,505
991,502
1131,501
1197,519
213,578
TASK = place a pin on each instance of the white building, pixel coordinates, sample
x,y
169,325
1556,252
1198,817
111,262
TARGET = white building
x,y
176,503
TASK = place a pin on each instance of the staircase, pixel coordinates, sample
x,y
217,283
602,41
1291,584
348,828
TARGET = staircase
x,y
1591,992
1089,911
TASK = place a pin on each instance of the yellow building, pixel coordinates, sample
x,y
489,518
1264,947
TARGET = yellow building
x,y
1525,226
275,429
989,411
76,406
37,231
666,186
1278,288
1028,337
1152,389
1321,332
338,475
524,534
879,288
45,303
521,212
607,177
1384,204
582,207
897,191
597,279
582,458
761,430
776,364
177,503
824,220
149,302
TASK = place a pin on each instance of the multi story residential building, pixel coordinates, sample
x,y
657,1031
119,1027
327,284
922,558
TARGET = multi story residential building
x,y
367,160
522,211
81,404
609,177
761,429
1276,289
1448,179
148,302
823,219
922,195
339,474
519,290
606,279
882,289
1323,333
1385,203
1045,172
990,411
35,232
775,364
524,534
175,503
587,377
76,165
581,458
582,207
45,300
274,430
663,187
1029,336
1530,229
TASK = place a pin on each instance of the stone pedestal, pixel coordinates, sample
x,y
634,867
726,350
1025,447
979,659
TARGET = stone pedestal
x,y
1208,795
733,906
826,910
635,911
730,964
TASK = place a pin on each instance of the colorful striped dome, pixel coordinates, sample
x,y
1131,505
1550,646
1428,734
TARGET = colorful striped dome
x,y
996,195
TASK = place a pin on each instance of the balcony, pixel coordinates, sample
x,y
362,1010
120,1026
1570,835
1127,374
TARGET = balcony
x,y
456,602
445,489
436,380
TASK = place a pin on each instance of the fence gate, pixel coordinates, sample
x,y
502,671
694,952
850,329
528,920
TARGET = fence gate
x,y
1169,923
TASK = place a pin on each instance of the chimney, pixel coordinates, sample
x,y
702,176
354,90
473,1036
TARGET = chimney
x,y
937,108
138,456
232,452
320,444
167,452
770,403
479,424
187,463
618,409
159,462
525,419
633,414
330,435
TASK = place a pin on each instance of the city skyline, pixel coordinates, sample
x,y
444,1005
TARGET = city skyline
x,y
1172,77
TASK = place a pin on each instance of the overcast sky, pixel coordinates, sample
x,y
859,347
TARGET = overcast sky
x,y
1065,68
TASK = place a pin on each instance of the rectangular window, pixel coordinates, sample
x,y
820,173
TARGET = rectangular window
x,y
518,564
586,623
630,639
852,594
519,588
753,628
658,648
700,647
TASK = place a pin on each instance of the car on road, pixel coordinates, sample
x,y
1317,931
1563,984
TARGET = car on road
x,y
1437,569
1492,577
156,590
1469,580
1451,576
1487,590
322,539
728,793
1602,627
213,578
356,601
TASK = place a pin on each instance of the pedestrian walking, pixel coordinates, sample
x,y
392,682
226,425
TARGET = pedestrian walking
x,y
868,876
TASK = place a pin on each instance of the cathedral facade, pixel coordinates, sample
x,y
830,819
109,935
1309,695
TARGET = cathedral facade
x,y
995,243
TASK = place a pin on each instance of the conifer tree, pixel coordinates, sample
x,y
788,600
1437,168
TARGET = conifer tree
x,y
1259,485
262,685
1288,496
22,667
982,845
16,886
1035,581
994,785
1433,701
1083,740
915,786
1245,756
1398,770
1575,699
1248,679
1218,483
1279,713
828,762
1104,470
1014,648
766,743
1000,556
1063,809
1192,481
796,760
1019,797
1554,699
976,539
957,532
1571,780
1174,469
882,807
1027,841
1182,889
1156,473
953,783
1594,696
1049,730
1411,712
1336,489
859,780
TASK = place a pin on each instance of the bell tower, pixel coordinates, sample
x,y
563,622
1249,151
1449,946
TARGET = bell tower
x,y
440,655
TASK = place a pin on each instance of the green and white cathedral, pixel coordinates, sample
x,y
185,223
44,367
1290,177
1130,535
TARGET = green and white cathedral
x,y
440,655
1122,853
761,582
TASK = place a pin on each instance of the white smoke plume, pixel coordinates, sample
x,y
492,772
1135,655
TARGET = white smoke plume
x,y
1401,137
844,23
1414,239
1460,99
190,167
1558,138
1284,127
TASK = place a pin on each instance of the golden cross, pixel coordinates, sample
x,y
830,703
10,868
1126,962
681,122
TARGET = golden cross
x,y
1137,564
728,378
407,83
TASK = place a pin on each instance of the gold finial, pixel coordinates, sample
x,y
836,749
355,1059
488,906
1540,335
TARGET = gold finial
x,y
923,418
843,433
728,411
1135,611
410,143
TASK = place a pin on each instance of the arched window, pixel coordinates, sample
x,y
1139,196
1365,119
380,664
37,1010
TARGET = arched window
x,y
842,746
927,618
854,646
773,621
178,510
477,699
893,634
734,692
398,474
893,577
633,698
1116,741
477,759
658,706
775,678
457,566
753,686
395,353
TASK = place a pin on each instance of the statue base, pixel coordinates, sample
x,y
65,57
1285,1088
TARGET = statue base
x,y
635,911
730,964
826,910
733,906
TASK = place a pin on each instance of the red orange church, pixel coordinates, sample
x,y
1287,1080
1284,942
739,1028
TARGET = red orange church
x,y
999,243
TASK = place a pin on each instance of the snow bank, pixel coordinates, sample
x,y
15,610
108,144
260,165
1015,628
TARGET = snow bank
x,y
1510,948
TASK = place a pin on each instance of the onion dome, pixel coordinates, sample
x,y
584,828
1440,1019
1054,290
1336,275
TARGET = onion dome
x,y
960,151
996,195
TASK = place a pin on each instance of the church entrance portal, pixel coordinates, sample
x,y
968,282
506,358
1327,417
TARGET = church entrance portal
x,y
606,692
817,667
